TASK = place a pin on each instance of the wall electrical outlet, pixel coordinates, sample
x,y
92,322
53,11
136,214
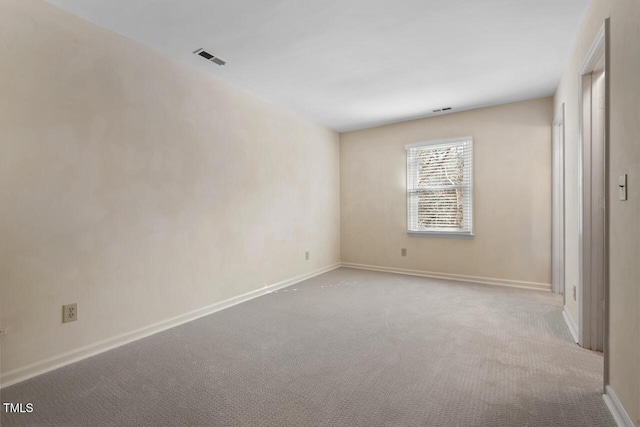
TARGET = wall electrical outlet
x,y
70,312
306,256
574,293
403,251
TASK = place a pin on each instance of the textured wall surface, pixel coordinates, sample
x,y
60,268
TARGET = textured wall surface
x,y
512,195
140,187
624,219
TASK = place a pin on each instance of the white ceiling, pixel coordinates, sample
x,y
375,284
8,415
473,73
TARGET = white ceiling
x,y
352,64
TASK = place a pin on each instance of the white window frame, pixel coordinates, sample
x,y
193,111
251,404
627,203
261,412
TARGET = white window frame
x,y
462,234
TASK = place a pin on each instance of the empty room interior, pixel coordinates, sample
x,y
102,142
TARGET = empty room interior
x,y
336,213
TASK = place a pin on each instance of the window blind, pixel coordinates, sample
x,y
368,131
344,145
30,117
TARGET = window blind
x,y
439,187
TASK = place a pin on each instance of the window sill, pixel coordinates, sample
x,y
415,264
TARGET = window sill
x,y
441,234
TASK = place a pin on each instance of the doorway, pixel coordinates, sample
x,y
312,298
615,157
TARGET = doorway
x,y
593,196
558,219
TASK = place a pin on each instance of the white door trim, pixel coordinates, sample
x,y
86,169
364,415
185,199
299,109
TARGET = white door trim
x,y
558,222
592,263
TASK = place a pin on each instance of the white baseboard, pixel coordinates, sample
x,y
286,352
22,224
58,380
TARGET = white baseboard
x,y
617,410
571,324
40,367
459,277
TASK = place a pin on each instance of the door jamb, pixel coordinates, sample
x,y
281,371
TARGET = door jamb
x,y
558,229
597,54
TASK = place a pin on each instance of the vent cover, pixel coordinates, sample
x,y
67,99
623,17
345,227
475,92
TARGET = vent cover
x,y
209,57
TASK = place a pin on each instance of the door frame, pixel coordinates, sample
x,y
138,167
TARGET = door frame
x,y
558,205
592,315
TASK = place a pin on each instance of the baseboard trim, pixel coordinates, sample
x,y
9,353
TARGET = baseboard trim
x,y
447,276
620,416
571,324
34,369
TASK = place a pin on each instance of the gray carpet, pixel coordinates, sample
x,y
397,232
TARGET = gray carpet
x,y
347,348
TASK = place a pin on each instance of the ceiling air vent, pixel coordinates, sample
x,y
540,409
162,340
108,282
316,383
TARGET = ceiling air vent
x,y
209,57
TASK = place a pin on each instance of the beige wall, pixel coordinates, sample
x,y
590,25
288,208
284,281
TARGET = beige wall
x,y
624,146
140,187
512,195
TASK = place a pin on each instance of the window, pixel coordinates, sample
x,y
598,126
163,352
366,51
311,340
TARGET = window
x,y
440,187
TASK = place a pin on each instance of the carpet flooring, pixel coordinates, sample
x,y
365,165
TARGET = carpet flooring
x,y
346,348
